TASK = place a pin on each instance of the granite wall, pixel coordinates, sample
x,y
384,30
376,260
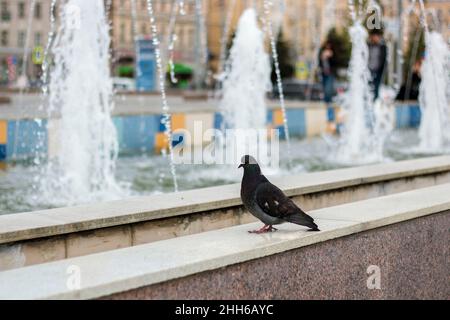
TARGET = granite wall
x,y
413,258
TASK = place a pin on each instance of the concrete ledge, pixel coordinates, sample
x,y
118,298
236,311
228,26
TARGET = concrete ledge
x,y
45,223
27,106
126,269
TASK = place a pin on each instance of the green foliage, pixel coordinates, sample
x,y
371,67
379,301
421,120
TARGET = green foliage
x,y
285,59
419,47
340,41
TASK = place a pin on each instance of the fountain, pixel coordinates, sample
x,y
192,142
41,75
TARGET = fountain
x,y
245,81
81,167
247,77
356,138
79,106
434,94
223,42
367,122
171,39
166,121
267,4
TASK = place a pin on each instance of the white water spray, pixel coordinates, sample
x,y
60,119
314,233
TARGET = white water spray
x,y
83,167
224,38
356,139
247,77
45,63
162,87
434,92
434,95
367,123
171,39
269,29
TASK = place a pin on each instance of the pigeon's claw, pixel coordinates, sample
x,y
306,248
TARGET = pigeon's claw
x,y
266,228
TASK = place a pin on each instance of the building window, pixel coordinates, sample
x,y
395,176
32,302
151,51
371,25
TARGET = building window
x,y
37,39
143,29
5,14
144,4
122,34
21,39
21,9
4,38
19,65
37,10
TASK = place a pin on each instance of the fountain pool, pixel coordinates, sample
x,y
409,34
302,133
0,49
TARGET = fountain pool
x,y
145,174
85,165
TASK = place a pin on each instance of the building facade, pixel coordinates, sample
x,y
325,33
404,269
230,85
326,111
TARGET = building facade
x,y
305,23
13,30
198,28
130,20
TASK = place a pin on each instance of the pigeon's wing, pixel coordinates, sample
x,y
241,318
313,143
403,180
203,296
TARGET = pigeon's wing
x,y
274,202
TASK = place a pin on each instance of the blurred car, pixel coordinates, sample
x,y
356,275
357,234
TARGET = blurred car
x,y
124,84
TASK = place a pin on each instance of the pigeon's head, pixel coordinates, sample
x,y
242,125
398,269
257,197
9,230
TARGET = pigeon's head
x,y
248,162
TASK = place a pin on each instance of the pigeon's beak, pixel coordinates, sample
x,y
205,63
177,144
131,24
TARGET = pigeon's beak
x,y
240,166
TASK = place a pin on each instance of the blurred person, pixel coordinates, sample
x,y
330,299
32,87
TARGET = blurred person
x,y
327,65
410,89
377,59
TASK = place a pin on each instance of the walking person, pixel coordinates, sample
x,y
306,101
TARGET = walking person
x,y
377,60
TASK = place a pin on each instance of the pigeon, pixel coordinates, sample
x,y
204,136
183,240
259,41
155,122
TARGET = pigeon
x,y
267,202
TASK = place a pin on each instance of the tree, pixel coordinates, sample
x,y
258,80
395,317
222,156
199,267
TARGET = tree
x,y
285,59
340,41
416,49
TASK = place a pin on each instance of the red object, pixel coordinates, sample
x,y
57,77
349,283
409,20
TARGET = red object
x,y
12,69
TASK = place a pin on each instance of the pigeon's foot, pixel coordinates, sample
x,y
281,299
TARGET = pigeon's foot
x,y
266,228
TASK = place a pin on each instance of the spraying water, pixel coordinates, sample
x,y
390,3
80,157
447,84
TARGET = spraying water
x,y
367,123
269,28
162,87
434,91
247,77
172,38
45,63
311,16
83,165
356,139
200,46
41,139
434,95
223,40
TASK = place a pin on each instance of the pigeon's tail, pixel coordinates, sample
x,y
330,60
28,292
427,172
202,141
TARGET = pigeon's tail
x,y
304,220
